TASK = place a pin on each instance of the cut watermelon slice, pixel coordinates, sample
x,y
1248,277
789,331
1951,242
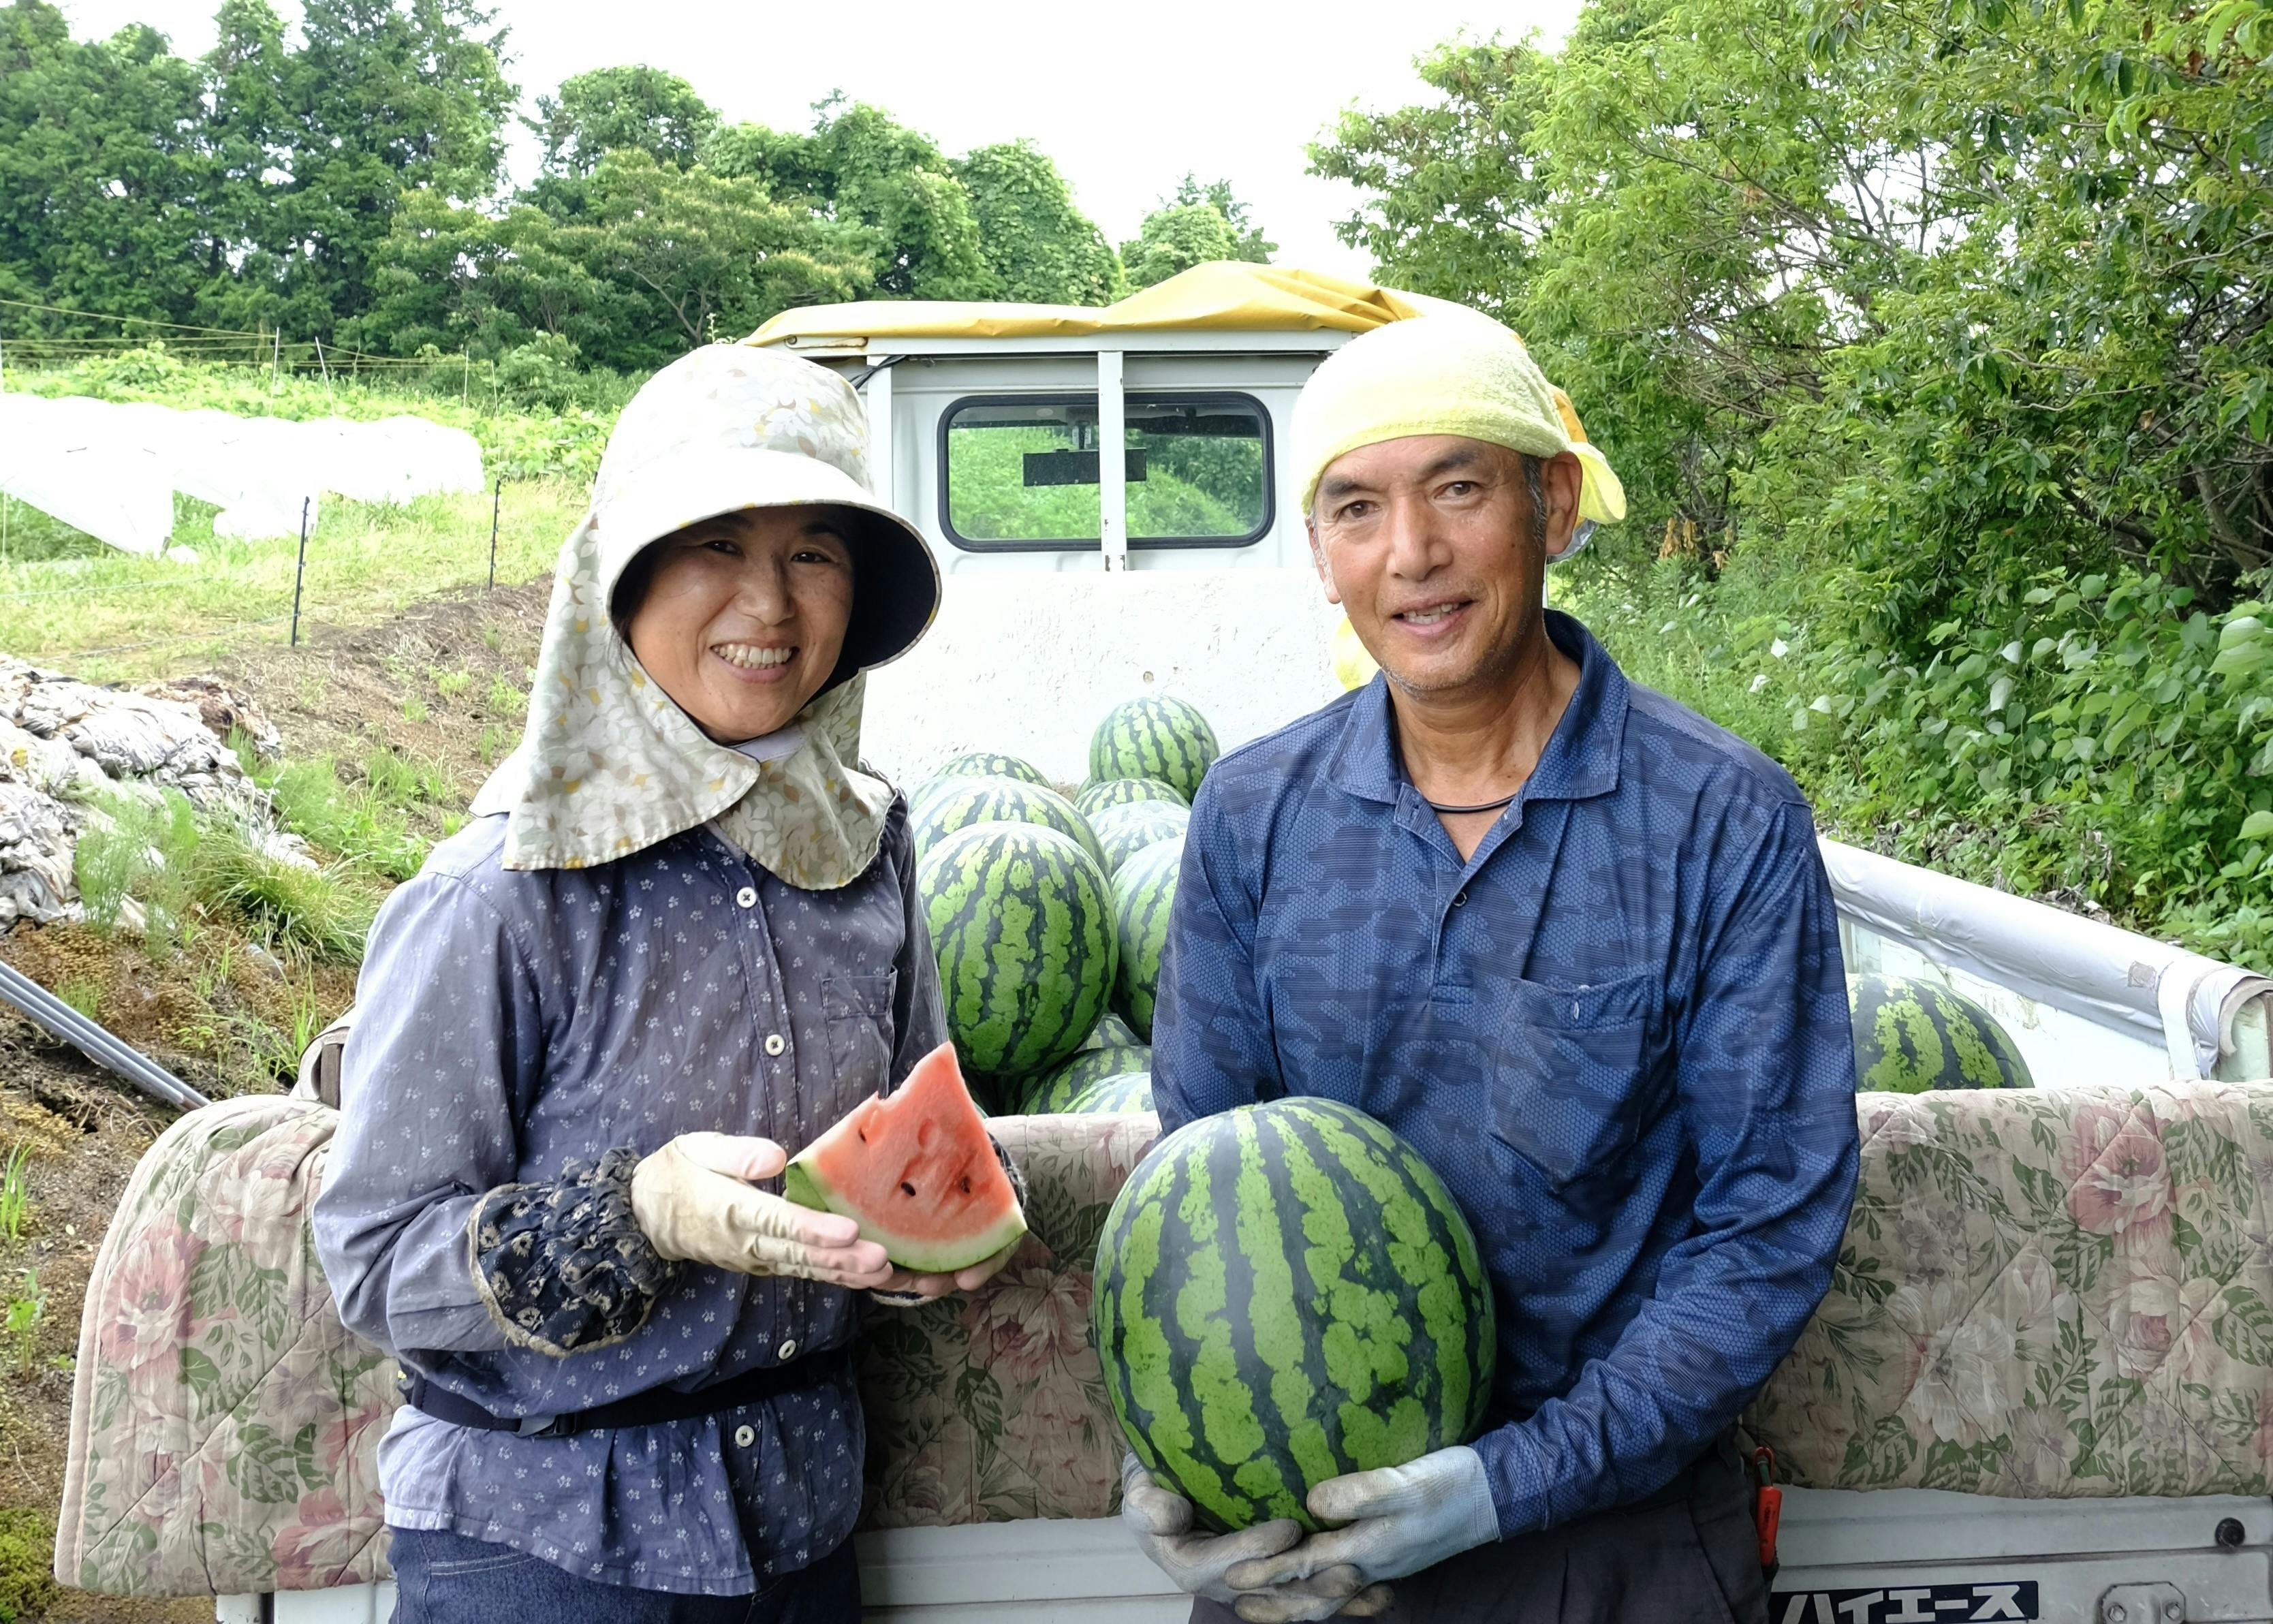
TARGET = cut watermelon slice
x,y
917,1170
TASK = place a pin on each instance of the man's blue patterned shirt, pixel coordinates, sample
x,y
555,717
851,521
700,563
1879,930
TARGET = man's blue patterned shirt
x,y
1618,1030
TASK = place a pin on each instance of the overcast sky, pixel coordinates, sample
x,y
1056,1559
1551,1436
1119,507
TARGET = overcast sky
x,y
1126,98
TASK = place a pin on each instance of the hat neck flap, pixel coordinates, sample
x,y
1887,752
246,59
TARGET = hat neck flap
x,y
609,765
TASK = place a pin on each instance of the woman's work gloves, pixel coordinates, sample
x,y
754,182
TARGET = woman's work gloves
x,y
696,1202
1399,1520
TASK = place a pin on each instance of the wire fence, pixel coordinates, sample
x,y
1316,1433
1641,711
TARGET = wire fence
x,y
27,338
22,338
298,610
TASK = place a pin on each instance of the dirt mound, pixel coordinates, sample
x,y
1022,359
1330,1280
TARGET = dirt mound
x,y
443,684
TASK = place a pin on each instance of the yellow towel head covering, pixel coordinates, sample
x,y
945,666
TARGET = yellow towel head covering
x,y
1451,372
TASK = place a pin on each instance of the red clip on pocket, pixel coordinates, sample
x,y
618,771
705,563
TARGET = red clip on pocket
x,y
1767,1507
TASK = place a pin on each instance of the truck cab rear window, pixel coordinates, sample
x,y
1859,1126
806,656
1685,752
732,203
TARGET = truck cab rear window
x,y
1020,472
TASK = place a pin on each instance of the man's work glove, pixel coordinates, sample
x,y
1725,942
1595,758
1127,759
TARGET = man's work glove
x,y
1199,1563
1400,1519
695,1201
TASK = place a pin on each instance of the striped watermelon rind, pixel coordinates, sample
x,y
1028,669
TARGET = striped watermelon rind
x,y
1111,1032
1020,920
1143,896
1099,794
1155,737
1129,1094
1055,1091
1286,1293
986,764
1913,1035
961,802
1123,831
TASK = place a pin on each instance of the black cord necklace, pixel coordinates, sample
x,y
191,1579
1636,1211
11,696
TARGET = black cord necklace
x,y
1485,806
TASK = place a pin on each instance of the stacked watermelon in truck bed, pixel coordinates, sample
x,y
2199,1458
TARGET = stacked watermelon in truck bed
x,y
1030,897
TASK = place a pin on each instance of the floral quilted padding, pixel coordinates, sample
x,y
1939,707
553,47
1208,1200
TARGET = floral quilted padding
x,y
991,1406
2056,1293
225,1426
2050,1293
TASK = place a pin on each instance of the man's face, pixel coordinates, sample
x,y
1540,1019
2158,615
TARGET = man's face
x,y
1429,546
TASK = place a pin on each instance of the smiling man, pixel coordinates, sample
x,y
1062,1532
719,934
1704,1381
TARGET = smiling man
x,y
1572,942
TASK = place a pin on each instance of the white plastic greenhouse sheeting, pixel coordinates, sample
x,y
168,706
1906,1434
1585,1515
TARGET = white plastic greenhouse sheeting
x,y
111,468
121,496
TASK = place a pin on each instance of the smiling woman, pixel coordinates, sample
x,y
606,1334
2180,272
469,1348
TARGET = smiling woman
x,y
680,937
741,618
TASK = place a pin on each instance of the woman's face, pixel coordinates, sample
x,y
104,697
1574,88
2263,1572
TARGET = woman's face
x,y
745,615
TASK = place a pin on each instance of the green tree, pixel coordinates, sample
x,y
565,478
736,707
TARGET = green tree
x,y
1248,241
380,96
105,188
659,261
711,256
1175,239
1038,247
1197,224
457,278
1453,194
608,108
861,167
1931,340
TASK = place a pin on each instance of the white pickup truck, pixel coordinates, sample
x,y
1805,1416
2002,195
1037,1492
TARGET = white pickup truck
x,y
1074,580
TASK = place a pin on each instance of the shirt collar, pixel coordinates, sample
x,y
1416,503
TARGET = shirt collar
x,y
1581,758
782,742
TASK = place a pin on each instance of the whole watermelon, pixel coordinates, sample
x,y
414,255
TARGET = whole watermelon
x,y
1021,921
1155,737
958,803
1285,1293
1099,794
1144,896
980,765
1112,1032
1124,831
1911,1035
1124,1095
1069,1089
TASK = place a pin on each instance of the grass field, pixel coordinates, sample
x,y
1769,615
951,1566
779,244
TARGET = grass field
x,y
70,602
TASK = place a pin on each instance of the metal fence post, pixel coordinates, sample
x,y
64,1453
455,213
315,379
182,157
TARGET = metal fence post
x,y
299,572
496,502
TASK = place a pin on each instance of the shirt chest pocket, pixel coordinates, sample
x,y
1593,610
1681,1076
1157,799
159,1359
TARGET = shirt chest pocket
x,y
858,1010
1571,1074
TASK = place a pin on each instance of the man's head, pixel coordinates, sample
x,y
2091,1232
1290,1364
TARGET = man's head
x,y
1436,547
1440,470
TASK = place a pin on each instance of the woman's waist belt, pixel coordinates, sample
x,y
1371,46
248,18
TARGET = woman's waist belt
x,y
647,1409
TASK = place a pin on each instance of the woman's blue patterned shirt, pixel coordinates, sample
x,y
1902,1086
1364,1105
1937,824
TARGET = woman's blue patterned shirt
x,y
511,1023
1618,1030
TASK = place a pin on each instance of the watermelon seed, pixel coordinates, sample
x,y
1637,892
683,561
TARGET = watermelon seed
x,y
966,1183
906,1188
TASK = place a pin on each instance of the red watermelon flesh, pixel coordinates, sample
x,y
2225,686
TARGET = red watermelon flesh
x,y
918,1171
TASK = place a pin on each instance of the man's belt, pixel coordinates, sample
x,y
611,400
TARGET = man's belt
x,y
658,1404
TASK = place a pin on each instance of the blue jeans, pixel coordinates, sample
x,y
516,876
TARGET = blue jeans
x,y
444,1578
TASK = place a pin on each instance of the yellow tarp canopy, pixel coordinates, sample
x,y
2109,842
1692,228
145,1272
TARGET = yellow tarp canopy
x,y
1223,294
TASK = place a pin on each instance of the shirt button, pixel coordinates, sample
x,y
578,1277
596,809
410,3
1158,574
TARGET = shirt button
x,y
745,1436
787,1351
1460,900
774,1043
747,897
